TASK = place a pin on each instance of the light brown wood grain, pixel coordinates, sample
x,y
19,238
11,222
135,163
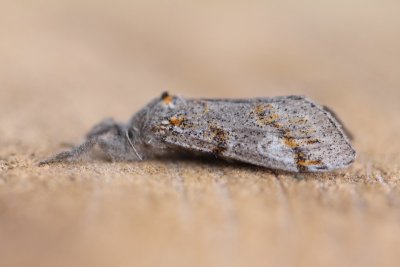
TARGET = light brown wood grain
x,y
65,65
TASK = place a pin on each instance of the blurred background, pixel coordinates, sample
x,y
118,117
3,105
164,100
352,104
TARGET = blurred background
x,y
65,65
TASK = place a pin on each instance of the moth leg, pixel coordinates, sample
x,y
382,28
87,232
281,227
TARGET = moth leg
x,y
111,137
72,154
95,136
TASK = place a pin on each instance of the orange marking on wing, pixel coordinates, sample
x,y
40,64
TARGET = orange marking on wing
x,y
307,162
311,141
167,99
264,115
290,142
298,120
176,121
220,137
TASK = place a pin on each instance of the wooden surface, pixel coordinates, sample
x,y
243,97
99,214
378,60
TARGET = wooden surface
x,y
65,65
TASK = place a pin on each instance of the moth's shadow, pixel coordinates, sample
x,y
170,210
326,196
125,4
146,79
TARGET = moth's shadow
x,y
209,160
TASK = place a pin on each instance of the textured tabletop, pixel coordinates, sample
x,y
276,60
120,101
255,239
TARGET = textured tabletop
x,y
66,65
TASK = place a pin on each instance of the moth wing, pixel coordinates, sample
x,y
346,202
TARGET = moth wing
x,y
289,133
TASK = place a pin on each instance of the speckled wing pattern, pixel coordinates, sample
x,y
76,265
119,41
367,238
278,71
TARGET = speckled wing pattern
x,y
290,133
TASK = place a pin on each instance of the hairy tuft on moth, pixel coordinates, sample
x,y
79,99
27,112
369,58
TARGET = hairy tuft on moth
x,y
289,133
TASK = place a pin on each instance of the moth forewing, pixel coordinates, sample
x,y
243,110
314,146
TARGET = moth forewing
x,y
289,133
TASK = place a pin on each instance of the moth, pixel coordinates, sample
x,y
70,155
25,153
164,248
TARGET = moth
x,y
289,133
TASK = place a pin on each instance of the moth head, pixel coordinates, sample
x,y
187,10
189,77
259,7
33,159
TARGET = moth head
x,y
117,140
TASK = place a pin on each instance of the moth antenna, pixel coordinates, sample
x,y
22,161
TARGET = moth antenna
x,y
133,147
